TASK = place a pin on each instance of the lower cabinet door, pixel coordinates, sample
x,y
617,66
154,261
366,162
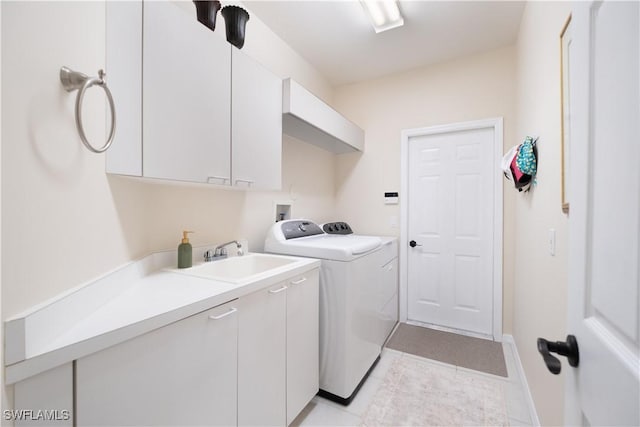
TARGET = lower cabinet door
x,y
182,374
261,357
49,394
303,339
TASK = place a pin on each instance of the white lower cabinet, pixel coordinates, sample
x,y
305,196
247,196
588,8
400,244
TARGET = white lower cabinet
x,y
261,357
302,342
181,374
44,399
278,354
251,361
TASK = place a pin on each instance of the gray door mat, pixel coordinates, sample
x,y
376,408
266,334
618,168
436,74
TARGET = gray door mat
x,y
472,353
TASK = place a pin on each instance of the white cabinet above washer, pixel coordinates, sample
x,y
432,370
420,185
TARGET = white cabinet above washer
x,y
306,117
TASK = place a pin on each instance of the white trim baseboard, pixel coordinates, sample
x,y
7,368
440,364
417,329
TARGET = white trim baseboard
x,y
452,330
508,339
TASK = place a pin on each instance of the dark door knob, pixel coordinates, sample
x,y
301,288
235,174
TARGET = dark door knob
x,y
568,348
413,244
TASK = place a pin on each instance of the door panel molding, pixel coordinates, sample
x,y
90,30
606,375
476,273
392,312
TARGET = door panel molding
x,y
604,231
492,123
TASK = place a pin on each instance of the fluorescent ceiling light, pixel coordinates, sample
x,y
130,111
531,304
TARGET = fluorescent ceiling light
x,y
384,14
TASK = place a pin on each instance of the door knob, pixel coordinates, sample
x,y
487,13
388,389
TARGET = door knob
x,y
568,348
413,244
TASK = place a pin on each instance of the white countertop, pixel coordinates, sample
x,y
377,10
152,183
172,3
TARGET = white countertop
x,y
139,297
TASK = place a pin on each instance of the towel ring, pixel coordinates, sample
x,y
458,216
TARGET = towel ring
x,y
74,80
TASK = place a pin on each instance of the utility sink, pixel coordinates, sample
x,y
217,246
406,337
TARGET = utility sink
x,y
238,269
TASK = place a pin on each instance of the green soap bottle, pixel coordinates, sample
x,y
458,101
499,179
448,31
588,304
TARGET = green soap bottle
x,y
185,258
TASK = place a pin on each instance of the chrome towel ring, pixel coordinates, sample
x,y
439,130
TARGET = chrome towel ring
x,y
74,80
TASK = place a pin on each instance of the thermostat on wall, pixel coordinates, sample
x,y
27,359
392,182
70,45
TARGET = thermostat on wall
x,y
391,198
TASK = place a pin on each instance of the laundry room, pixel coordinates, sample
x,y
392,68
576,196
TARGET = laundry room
x,y
289,213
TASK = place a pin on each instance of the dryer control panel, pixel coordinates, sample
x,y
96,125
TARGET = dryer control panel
x,y
293,229
337,228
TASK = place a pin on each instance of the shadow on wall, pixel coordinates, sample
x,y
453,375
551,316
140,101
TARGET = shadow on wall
x,y
348,164
53,146
130,202
153,215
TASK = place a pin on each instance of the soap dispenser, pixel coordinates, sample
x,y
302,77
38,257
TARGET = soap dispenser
x,y
185,257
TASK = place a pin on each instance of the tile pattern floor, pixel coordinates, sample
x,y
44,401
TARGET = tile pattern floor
x,y
420,393
322,412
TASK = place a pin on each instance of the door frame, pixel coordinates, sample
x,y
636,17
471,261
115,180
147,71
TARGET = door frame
x,y
497,125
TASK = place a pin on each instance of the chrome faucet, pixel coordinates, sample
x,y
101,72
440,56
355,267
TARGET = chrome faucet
x,y
220,251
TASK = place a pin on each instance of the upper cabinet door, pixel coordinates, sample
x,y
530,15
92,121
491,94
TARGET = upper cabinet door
x,y
256,127
124,76
186,97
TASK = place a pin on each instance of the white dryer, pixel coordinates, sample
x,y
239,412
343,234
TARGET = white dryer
x,y
358,297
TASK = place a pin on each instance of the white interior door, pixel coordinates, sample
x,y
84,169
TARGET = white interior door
x,y
605,214
451,220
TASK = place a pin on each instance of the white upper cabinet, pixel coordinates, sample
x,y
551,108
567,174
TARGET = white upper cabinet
x,y
186,97
256,124
310,119
124,76
173,81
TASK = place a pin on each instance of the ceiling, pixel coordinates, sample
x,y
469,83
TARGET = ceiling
x,y
337,38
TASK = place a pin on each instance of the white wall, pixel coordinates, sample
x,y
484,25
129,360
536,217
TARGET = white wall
x,y
540,295
475,87
64,221
222,215
5,403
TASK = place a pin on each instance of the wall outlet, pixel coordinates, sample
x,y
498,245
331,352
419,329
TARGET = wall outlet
x,y
552,242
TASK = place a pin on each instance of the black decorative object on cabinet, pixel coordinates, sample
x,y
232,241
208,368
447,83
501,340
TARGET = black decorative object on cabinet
x,y
206,10
235,19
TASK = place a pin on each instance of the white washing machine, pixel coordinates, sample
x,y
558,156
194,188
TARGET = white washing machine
x,y
358,297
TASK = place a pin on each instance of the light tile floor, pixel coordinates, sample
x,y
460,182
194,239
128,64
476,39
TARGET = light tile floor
x,y
323,412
